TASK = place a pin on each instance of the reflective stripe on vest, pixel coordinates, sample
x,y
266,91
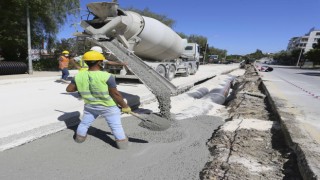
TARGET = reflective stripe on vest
x,y
92,85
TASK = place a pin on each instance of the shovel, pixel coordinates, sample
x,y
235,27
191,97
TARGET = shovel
x,y
152,122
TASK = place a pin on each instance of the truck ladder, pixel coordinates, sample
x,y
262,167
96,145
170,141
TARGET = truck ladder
x,y
156,83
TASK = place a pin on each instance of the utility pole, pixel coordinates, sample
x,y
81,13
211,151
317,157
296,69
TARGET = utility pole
x,y
30,69
205,53
299,57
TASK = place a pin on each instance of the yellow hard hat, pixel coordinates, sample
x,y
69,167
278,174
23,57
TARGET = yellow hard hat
x,y
93,56
65,52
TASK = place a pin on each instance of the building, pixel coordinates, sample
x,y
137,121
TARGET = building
x,y
305,42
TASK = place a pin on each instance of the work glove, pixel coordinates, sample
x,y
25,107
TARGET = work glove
x,y
126,110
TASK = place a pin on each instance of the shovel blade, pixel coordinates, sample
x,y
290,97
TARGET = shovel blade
x,y
153,122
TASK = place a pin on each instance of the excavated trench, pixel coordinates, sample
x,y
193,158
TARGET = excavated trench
x,y
255,147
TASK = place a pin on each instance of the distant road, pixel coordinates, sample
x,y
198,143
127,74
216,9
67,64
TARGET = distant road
x,y
302,88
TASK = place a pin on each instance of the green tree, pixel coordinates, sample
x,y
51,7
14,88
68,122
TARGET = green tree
x,y
294,56
201,40
314,54
74,46
256,55
216,51
283,57
46,17
182,35
234,57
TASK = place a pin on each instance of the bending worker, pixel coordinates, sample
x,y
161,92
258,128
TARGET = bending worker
x,y
99,91
83,66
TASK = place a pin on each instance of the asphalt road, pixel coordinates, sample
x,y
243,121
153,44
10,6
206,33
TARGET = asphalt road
x,y
302,87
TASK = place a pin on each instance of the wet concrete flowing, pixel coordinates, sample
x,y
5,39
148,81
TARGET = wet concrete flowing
x,y
157,84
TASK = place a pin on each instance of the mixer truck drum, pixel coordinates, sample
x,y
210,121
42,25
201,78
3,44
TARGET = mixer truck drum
x,y
12,67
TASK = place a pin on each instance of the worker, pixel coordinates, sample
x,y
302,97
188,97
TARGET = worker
x,y
63,65
83,66
99,91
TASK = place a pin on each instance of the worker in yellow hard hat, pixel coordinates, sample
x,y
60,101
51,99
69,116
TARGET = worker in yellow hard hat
x,y
99,91
82,66
64,64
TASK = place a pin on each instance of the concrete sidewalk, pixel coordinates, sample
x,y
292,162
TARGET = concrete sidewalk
x,y
37,105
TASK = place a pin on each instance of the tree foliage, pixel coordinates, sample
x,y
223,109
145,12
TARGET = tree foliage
x,y
288,57
314,54
46,17
182,35
216,51
74,46
258,54
201,40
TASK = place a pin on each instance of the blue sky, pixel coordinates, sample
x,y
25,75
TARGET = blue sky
x,y
238,26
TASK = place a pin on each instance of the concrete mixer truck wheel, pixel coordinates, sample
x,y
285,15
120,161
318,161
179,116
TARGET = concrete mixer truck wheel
x,y
188,71
171,72
161,69
193,70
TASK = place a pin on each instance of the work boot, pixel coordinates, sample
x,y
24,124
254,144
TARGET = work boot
x,y
80,139
122,144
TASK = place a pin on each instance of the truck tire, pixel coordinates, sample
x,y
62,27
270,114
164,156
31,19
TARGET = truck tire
x,y
171,72
161,69
193,70
188,70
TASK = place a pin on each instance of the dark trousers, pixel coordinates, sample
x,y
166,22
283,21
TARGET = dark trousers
x,y
65,73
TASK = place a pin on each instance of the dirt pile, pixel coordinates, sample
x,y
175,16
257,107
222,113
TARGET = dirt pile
x,y
250,145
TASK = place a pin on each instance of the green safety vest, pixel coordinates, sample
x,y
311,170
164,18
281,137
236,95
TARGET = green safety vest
x,y
84,66
93,88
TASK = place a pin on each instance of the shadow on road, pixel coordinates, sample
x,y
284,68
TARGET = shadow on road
x,y
310,73
74,94
72,120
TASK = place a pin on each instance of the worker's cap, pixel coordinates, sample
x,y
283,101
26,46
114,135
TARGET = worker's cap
x,y
65,52
93,56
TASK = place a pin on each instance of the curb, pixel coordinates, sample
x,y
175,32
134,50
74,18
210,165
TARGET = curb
x,y
25,137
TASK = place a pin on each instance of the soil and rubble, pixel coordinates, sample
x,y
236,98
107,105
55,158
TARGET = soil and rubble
x,y
250,145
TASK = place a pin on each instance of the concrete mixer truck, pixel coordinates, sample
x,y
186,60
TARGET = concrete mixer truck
x,y
149,40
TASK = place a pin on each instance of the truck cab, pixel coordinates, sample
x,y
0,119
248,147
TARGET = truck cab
x,y
191,52
190,60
